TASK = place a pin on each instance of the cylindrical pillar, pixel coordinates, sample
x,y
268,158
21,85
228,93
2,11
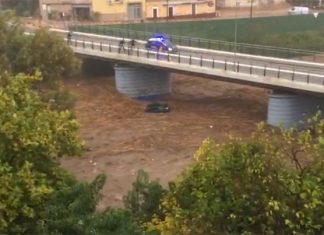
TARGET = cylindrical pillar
x,y
288,109
143,83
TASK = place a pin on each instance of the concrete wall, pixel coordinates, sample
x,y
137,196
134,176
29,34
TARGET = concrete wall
x,y
246,3
180,8
54,8
115,10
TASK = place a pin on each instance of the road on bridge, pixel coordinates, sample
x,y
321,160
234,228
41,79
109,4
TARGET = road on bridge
x,y
245,64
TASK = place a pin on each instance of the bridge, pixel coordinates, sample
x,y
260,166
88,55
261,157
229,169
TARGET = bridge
x,y
297,86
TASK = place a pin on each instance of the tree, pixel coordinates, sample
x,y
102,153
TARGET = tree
x,y
22,193
272,183
72,210
12,40
45,51
37,196
32,137
22,7
144,199
48,53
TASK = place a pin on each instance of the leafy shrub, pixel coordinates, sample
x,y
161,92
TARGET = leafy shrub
x,y
32,138
144,199
60,99
272,183
47,53
72,210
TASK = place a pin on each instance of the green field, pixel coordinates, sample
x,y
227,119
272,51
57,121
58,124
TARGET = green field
x,y
248,30
281,36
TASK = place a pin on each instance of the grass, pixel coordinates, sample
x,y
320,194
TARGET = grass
x,y
280,36
248,30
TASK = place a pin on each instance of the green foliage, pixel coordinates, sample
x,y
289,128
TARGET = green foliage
x,y
272,183
71,210
115,222
48,53
59,98
26,123
22,193
21,7
36,195
45,52
11,40
144,198
32,136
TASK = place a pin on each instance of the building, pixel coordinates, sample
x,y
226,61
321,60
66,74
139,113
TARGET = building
x,y
65,9
246,3
125,10
138,10
168,9
119,10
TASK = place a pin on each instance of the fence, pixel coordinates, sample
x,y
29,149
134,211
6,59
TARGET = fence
x,y
132,53
272,51
268,25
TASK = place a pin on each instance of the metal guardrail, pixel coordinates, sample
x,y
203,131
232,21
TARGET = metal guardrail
x,y
291,75
253,49
189,50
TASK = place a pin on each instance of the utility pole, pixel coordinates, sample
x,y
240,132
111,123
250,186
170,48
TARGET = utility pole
x,y
41,13
167,9
251,8
237,4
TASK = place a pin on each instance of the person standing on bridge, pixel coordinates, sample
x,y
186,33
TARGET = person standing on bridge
x,y
159,52
69,37
131,44
121,45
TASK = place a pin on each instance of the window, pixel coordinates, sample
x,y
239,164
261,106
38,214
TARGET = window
x,y
134,11
114,1
155,12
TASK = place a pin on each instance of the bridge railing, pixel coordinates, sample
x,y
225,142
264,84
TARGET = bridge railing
x,y
280,52
132,53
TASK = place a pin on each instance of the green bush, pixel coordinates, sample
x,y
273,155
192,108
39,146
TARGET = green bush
x,y
71,210
272,183
59,99
144,199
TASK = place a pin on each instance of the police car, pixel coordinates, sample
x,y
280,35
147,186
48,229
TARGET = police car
x,y
160,41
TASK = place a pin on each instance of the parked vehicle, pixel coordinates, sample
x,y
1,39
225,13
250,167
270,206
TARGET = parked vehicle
x,y
160,41
298,11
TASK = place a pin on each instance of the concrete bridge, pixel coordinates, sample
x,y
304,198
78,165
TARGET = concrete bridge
x,y
297,87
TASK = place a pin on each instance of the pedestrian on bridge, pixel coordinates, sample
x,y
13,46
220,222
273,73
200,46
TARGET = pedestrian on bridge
x,y
121,45
69,37
131,45
159,52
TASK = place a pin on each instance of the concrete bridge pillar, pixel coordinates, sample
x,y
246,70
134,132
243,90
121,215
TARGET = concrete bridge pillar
x,y
288,109
138,82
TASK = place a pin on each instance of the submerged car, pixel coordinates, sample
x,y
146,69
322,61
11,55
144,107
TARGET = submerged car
x,y
158,42
157,108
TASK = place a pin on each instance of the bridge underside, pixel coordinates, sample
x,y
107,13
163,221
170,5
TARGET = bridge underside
x,y
285,108
142,82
